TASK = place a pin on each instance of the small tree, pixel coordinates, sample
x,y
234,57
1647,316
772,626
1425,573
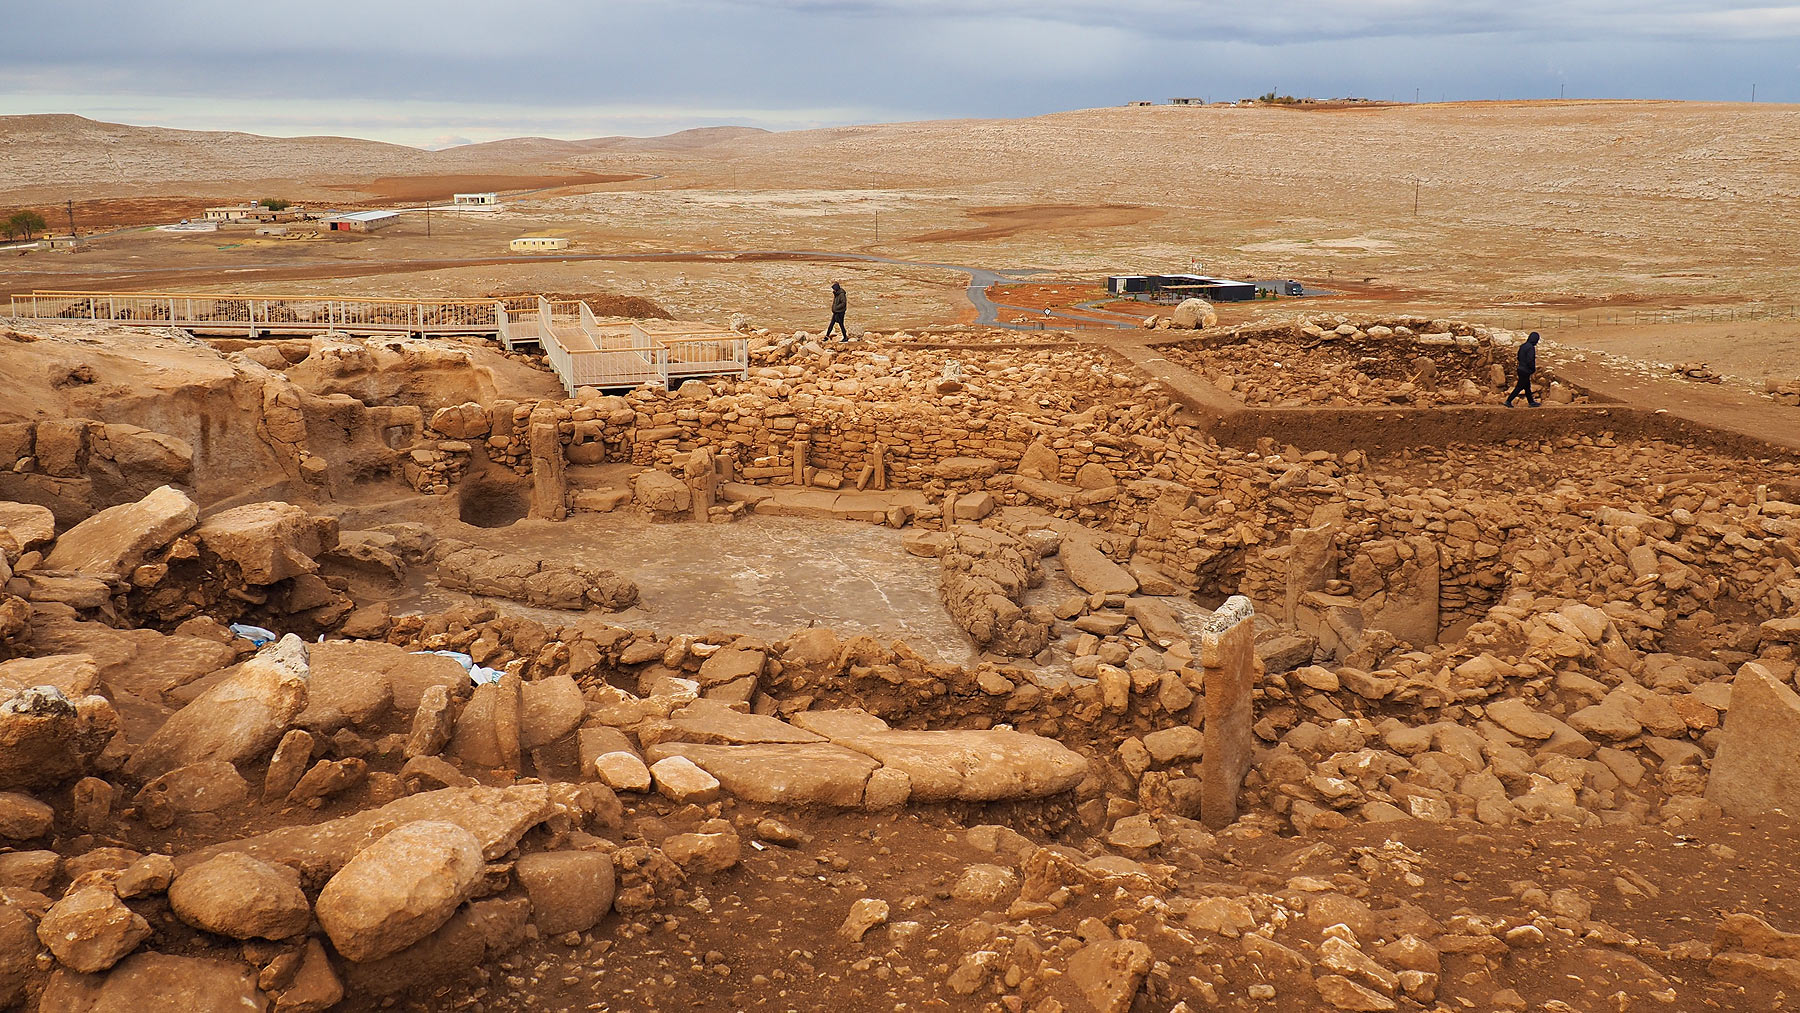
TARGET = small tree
x,y
274,203
25,223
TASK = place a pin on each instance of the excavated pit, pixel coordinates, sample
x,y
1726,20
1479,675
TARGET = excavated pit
x,y
493,500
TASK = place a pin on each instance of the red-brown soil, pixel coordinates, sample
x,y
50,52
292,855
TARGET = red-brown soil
x,y
1013,219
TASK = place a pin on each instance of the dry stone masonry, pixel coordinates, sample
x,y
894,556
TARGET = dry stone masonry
x,y
1243,723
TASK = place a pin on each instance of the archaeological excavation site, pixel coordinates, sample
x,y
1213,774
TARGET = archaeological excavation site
x,y
960,668
1278,556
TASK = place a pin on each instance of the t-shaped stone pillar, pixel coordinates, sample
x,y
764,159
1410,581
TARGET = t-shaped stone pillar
x,y
1228,660
549,481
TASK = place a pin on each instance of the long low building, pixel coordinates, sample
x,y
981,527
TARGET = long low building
x,y
1149,286
361,221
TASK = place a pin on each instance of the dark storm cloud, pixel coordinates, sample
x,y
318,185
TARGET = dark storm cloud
x,y
418,70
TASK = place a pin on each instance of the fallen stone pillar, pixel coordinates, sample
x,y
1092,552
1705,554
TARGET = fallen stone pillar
x,y
1228,662
549,478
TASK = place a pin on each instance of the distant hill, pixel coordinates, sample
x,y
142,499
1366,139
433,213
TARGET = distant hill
x,y
79,154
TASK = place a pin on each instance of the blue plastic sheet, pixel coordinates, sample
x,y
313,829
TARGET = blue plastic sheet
x,y
478,674
255,634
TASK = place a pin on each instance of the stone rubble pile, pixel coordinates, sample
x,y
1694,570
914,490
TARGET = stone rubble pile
x,y
1339,363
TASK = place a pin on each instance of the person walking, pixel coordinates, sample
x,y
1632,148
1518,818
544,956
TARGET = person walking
x,y
839,303
1527,366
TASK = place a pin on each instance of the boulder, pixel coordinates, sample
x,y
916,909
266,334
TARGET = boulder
x,y
958,469
238,720
1094,475
660,492
142,454
400,889
90,929
72,675
267,542
681,781
47,739
788,774
811,651
1150,579
482,929
1517,717
1089,569
32,526
864,915
497,817
204,787
703,853
293,755
29,870
570,891
1757,766
552,708
1109,973
714,722
487,731
1193,314
347,684
23,817
411,674
18,954
151,982
115,540
968,765
314,987
466,421
236,895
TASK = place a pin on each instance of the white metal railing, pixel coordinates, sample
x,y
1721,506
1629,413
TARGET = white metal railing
x,y
707,355
583,350
255,314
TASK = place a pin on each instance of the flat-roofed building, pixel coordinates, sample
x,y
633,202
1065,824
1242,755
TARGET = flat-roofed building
x,y
539,244
361,221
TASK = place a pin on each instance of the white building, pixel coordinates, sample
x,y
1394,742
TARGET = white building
x,y
232,212
474,200
361,221
539,244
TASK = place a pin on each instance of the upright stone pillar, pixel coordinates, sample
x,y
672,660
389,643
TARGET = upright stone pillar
x,y
1312,560
1228,663
549,469
702,480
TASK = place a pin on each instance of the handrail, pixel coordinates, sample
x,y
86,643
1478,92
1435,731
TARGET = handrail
x,y
620,354
247,296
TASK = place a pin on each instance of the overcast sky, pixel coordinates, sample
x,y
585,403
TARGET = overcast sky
x,y
429,71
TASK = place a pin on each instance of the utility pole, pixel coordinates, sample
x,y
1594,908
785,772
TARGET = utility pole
x,y
428,219
1559,91
1415,96
1415,198
71,221
1753,91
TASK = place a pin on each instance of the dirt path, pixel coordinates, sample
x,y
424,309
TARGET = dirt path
x,y
1714,405
1643,406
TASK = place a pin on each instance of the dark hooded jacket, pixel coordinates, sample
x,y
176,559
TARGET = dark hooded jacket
x,y
1528,357
839,301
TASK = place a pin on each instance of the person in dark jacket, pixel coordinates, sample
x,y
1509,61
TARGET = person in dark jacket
x,y
839,303
1527,366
